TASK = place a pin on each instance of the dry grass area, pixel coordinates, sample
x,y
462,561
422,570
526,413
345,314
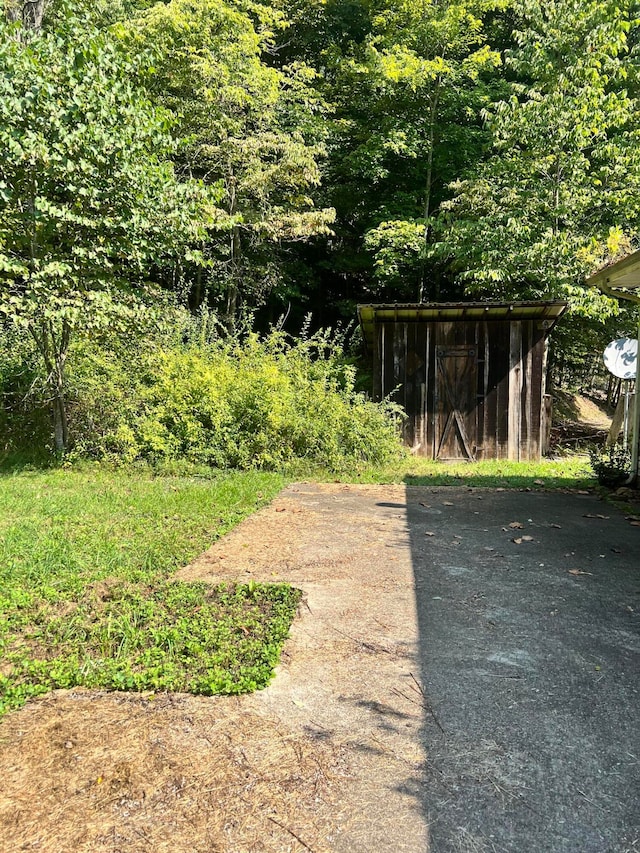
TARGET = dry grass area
x,y
577,420
166,774
592,412
580,409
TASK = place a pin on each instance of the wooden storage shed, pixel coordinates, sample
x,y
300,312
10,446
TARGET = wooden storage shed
x,y
470,376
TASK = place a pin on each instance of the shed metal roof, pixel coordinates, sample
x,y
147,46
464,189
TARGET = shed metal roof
x,y
547,312
620,279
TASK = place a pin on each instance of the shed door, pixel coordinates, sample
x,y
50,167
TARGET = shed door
x,y
456,380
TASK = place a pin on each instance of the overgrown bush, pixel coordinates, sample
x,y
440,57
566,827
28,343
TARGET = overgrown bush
x,y
25,420
239,403
611,464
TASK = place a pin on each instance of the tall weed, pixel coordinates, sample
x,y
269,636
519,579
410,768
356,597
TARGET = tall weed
x,y
229,403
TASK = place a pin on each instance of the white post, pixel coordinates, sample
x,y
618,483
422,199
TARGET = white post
x,y
636,420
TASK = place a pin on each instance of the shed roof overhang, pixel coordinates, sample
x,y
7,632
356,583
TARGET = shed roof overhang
x,y
621,279
547,313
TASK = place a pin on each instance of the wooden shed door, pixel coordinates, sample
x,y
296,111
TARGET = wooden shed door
x,y
456,379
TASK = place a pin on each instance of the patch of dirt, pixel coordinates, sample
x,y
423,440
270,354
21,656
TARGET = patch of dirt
x,y
85,772
578,419
581,409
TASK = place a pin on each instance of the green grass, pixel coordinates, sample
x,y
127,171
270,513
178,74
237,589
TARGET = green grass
x,y
570,472
87,554
86,596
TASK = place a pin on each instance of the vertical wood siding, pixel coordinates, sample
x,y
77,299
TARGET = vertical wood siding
x,y
471,389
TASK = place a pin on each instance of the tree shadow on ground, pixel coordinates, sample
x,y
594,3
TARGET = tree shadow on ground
x,y
529,647
482,481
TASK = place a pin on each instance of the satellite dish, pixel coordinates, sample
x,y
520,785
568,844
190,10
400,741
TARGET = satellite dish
x,y
620,358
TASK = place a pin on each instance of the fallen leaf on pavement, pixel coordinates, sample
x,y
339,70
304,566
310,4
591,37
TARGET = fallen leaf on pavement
x,y
429,533
516,525
578,572
522,539
447,503
594,515
557,526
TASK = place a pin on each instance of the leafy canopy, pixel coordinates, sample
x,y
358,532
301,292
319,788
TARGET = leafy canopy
x,y
88,198
565,164
248,128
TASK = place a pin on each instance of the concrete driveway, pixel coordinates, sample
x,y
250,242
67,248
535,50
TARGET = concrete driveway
x,y
475,653
530,654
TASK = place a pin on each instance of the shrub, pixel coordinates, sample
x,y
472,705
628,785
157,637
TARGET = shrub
x,y
238,403
611,464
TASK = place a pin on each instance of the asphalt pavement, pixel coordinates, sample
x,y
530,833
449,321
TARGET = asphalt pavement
x,y
529,625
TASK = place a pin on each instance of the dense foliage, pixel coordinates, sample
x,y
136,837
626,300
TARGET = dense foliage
x,y
239,402
261,159
88,194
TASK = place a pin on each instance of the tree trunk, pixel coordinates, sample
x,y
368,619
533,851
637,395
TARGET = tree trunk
x,y
428,185
60,423
235,252
28,12
54,349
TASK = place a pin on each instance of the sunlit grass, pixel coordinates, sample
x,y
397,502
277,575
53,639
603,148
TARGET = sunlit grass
x,y
64,531
570,472
68,533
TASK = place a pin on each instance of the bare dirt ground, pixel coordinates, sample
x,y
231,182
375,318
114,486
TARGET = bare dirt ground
x,y
327,758
577,419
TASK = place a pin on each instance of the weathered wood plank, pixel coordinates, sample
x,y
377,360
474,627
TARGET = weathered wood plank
x,y
500,380
481,393
430,404
515,389
538,362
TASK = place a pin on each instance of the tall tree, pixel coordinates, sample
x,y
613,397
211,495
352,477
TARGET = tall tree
x,y
250,129
88,199
434,53
564,173
407,81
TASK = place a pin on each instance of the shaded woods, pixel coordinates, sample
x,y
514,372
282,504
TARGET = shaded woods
x,y
257,163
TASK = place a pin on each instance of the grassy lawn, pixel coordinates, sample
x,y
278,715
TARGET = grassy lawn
x,y
570,472
87,555
86,595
